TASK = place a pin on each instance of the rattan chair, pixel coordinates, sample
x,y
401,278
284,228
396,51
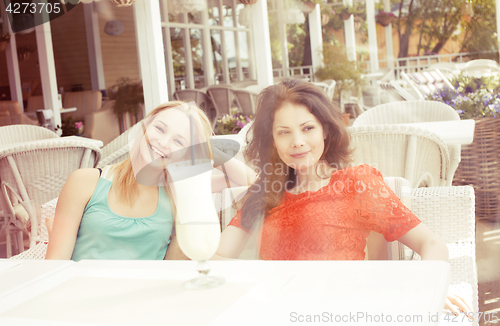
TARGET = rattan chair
x,y
449,213
417,155
12,134
201,99
247,100
411,112
33,173
222,97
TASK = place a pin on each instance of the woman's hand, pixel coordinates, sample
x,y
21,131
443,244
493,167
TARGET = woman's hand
x,y
456,304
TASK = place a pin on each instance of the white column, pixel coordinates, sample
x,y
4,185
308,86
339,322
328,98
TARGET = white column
x,y
51,99
372,35
350,38
94,46
283,39
151,56
260,27
388,36
12,62
316,37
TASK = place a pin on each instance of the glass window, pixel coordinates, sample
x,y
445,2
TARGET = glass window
x,y
227,13
178,57
239,8
244,55
213,12
230,49
197,53
217,55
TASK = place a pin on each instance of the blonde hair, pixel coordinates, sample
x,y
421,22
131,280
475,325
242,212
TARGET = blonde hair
x,y
123,173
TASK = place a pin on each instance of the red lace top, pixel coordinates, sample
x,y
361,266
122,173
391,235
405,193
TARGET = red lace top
x,y
334,222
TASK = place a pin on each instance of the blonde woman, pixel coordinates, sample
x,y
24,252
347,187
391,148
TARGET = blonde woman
x,y
108,214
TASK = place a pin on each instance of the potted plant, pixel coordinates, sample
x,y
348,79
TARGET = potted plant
x,y
345,12
232,123
478,98
385,18
4,40
129,100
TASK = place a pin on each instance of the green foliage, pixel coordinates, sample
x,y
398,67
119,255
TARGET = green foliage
x,y
129,96
479,34
338,67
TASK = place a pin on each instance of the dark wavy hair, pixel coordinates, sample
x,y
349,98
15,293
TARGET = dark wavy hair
x,y
261,197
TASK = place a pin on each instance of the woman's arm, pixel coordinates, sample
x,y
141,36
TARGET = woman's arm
x,y
238,173
424,242
430,247
74,196
232,242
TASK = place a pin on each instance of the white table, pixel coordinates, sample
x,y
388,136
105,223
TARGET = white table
x,y
255,293
14,274
451,132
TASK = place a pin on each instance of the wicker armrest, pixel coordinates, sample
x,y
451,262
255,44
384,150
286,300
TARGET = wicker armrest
x,y
449,213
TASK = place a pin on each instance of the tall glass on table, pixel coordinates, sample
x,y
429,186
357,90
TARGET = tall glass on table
x,y
196,222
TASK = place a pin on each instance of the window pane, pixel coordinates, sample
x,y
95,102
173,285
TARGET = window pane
x,y
197,53
217,54
213,12
239,8
227,13
175,17
230,49
244,59
178,57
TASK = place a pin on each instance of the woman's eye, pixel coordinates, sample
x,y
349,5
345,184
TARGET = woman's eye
x,y
308,128
159,129
179,142
283,132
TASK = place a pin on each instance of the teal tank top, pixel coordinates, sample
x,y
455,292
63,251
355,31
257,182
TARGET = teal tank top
x,y
103,234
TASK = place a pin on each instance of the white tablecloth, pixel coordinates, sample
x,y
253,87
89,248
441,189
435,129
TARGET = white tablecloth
x,y
255,293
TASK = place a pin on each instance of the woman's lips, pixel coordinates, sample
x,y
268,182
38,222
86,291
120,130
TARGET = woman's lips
x,y
299,155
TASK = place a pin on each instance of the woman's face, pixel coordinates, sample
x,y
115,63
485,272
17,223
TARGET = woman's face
x,y
168,135
298,136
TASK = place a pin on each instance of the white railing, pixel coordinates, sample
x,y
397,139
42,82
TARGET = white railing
x,y
306,71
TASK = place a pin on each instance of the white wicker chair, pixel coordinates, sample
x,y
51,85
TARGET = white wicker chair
x,y
33,173
404,151
11,135
449,213
411,112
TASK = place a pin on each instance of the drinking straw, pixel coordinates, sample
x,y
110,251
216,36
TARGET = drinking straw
x,y
192,138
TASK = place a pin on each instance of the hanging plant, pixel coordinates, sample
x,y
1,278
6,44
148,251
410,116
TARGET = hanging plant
x,y
248,2
24,52
344,12
385,18
4,40
123,3
129,96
